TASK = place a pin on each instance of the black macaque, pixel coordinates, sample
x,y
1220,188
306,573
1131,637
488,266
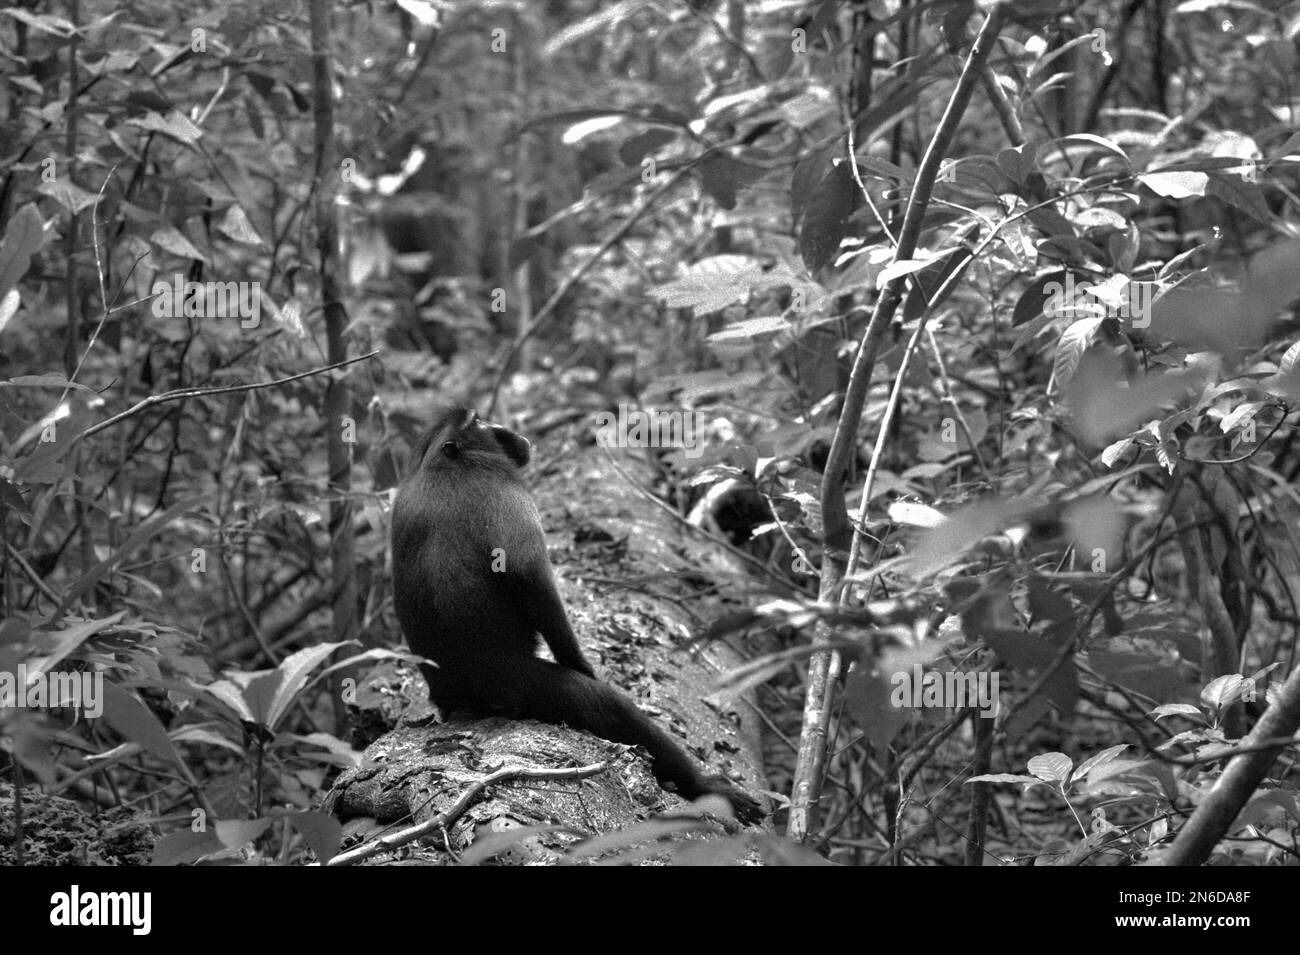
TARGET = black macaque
x,y
474,589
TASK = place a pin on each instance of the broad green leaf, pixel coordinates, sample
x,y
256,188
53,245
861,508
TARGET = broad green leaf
x,y
134,721
323,833
294,671
1223,691
1100,759
1178,709
712,284
1051,767
55,645
235,833
1074,342
23,238
184,847
1004,778
1288,360
1176,185
1116,451
826,216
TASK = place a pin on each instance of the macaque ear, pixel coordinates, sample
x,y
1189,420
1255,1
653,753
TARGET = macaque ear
x,y
516,446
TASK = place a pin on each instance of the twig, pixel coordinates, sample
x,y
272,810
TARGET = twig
x,y
444,819
182,393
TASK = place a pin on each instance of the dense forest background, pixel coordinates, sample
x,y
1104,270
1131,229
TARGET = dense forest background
x,y
980,318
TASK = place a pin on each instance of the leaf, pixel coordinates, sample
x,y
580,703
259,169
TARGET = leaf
x,y
134,721
915,515
226,692
197,734
235,833
1165,455
599,22
10,497
1040,68
898,269
1239,415
1178,709
1051,767
1100,759
932,278
175,124
1288,360
609,181
826,216
1032,329
1176,185
323,833
645,143
1035,298
182,848
1004,778
23,238
1207,6
426,14
1069,350
1246,196
9,306
893,101
235,225
1046,603
867,699
722,177
294,671
1060,692
1283,385
1290,147
1050,222
169,239
57,644
809,173
1272,805
870,692
1225,690
1134,769
1116,451
45,22
750,330
337,752
1077,146
712,284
